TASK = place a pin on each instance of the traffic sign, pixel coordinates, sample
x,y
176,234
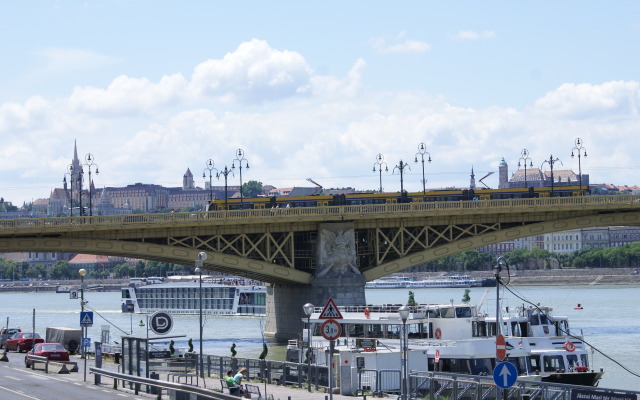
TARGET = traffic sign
x,y
161,322
330,311
73,294
505,375
331,329
86,318
86,342
501,347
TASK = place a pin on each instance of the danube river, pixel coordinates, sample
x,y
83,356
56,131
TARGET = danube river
x,y
610,320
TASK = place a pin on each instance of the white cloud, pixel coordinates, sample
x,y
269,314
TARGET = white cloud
x,y
608,100
473,35
400,45
128,95
254,72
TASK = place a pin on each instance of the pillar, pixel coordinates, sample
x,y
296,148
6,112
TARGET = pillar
x,y
336,277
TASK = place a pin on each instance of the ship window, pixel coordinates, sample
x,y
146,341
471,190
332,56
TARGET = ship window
x,y
482,366
584,360
534,363
463,312
447,312
553,363
479,328
572,360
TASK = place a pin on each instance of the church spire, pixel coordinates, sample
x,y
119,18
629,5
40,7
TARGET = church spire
x,y
472,183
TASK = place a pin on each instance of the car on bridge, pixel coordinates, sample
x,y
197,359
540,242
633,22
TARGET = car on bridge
x,y
53,352
22,341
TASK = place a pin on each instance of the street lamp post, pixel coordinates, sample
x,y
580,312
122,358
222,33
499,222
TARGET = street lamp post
x,y
64,180
80,177
240,159
400,167
308,310
581,152
404,314
551,161
524,158
209,167
422,150
82,272
90,164
225,173
379,163
199,262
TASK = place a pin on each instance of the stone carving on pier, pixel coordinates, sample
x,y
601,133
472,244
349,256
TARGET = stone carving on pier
x,y
337,251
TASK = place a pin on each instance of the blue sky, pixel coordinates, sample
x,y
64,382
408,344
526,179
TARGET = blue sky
x,y
314,89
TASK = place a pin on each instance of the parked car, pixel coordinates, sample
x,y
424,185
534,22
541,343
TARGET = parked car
x,y
6,333
53,352
22,341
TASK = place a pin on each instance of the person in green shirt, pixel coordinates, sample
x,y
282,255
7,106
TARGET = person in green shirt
x,y
234,388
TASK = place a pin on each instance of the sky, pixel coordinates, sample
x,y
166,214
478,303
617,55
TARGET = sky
x,y
315,90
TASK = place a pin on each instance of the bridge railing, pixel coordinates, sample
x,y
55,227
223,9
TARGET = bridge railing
x,y
132,221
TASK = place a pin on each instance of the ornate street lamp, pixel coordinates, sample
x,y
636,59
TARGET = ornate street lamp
x,y
240,159
89,162
308,310
400,167
64,181
581,152
80,177
225,173
380,162
551,161
524,158
199,262
422,150
209,167
404,312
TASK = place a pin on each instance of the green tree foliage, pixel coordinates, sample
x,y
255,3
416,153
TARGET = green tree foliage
x,y
412,300
252,189
466,298
61,270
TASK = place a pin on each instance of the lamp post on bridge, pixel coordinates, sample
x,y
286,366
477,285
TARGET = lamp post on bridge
x,y
209,167
422,150
240,159
380,162
64,181
89,162
400,167
581,152
551,161
225,173
524,157
80,177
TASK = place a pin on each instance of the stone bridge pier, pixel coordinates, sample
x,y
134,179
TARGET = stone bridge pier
x,y
337,277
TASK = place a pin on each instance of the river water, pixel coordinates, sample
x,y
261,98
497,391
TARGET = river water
x,y
610,320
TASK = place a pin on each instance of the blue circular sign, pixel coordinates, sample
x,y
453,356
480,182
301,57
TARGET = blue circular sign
x,y
505,375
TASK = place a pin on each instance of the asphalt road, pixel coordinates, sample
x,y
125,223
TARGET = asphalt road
x,y
20,383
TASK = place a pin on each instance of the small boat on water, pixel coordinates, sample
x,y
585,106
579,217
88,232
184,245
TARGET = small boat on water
x,y
219,297
456,338
443,281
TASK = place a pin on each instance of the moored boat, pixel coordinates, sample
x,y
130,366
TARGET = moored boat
x,y
220,297
455,338
443,281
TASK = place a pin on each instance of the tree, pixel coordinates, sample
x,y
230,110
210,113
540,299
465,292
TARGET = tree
x,y
252,189
60,270
466,298
412,300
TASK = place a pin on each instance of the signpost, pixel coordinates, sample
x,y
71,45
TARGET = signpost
x,y
501,347
331,330
161,322
505,375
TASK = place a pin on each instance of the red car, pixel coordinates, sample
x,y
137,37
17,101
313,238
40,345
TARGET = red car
x,y
53,351
22,341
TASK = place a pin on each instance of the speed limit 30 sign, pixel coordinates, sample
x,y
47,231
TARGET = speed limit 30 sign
x,y
331,329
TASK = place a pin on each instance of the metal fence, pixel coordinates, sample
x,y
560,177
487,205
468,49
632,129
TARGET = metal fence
x,y
430,385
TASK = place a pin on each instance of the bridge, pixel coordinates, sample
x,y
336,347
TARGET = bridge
x,y
310,254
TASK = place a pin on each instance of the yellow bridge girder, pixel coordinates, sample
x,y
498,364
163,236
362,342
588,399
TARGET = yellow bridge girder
x,y
280,246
